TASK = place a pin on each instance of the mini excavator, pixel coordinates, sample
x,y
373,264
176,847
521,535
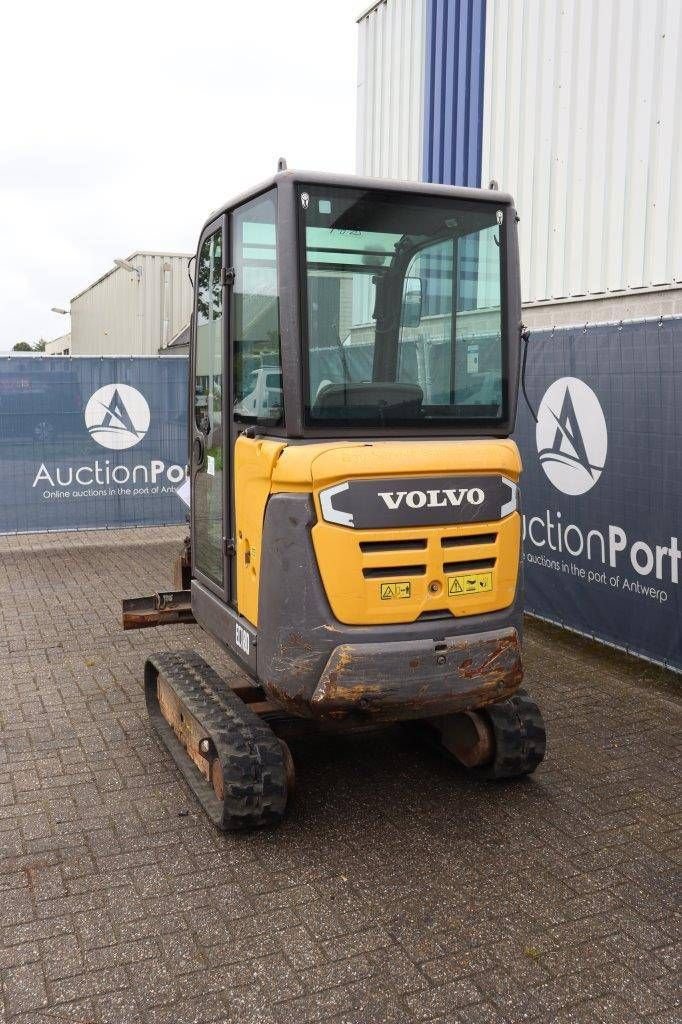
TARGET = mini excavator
x,y
355,533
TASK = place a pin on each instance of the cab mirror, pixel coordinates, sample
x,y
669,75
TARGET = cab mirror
x,y
412,302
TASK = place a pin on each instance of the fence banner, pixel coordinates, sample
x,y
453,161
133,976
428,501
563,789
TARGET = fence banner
x,y
602,483
91,442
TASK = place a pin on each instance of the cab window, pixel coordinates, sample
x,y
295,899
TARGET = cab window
x,y
402,309
257,391
209,344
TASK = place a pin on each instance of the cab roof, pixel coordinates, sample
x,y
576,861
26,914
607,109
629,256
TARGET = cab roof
x,y
359,181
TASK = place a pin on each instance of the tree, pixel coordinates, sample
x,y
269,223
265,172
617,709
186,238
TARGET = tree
x,y
23,346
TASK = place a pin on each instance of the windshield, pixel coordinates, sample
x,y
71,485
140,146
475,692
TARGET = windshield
x,y
402,309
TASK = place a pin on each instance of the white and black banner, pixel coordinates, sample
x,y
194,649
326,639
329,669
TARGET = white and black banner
x,y
601,492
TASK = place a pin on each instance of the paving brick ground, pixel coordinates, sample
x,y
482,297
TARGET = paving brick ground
x,y
398,890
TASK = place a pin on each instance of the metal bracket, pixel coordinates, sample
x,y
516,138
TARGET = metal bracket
x,y
227,276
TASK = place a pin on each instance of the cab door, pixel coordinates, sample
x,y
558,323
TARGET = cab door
x,y
210,456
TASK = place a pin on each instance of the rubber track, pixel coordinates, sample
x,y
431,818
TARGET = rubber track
x,y
255,787
520,738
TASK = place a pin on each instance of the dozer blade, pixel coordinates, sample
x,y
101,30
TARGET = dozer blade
x,y
159,609
236,766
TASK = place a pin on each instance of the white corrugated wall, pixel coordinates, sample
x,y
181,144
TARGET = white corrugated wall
x,y
583,125
119,315
390,89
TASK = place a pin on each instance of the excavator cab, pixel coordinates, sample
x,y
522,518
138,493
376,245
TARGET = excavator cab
x,y
355,534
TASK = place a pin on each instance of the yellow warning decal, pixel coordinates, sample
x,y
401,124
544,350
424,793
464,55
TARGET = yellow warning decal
x,y
470,583
391,591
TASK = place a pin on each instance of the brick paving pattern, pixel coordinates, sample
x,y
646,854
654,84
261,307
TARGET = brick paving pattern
x,y
397,890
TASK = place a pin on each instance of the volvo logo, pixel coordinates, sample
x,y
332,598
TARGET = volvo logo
x,y
571,436
117,416
433,499
366,504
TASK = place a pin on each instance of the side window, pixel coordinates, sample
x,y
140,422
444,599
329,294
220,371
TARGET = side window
x,y
255,334
208,493
209,349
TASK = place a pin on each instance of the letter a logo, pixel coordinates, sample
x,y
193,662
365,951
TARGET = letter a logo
x,y
117,416
568,434
571,436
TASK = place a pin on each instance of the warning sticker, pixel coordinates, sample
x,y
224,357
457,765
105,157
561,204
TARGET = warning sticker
x,y
391,591
470,583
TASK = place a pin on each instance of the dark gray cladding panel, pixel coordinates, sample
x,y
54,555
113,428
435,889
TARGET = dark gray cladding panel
x,y
418,501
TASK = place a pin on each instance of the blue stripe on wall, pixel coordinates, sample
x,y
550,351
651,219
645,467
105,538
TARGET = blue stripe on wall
x,y
453,91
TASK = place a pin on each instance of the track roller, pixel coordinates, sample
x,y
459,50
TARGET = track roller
x,y
236,766
501,741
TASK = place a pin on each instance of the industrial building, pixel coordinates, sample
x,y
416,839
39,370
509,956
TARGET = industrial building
x,y
571,107
139,307
60,346
574,109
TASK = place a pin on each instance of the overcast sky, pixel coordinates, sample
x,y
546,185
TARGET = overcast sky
x,y
123,124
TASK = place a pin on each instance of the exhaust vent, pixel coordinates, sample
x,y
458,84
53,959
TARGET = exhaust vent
x,y
471,566
468,539
393,571
367,546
